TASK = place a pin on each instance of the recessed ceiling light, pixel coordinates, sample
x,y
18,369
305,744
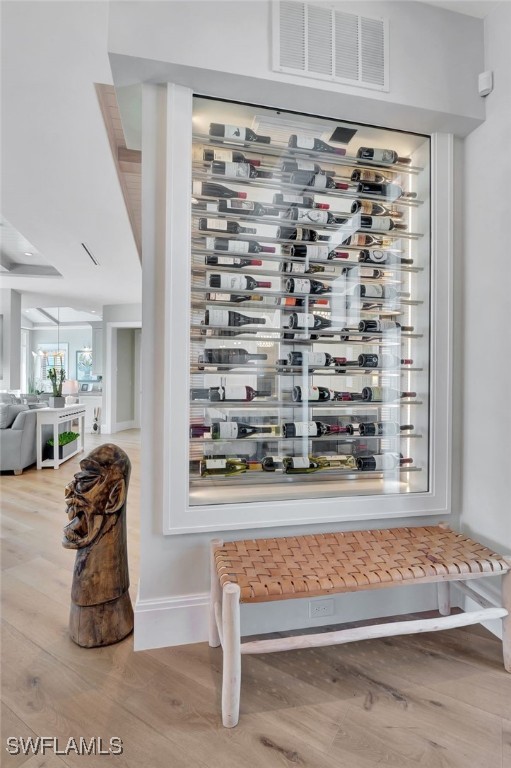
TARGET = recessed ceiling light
x,y
28,253
93,311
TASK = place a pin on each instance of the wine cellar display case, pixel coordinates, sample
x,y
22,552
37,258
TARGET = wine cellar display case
x,y
308,282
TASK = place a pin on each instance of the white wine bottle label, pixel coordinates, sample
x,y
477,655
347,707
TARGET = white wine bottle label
x,y
233,282
222,155
358,240
225,260
210,243
385,461
366,175
380,257
304,142
235,393
216,463
387,325
238,246
315,358
216,224
372,291
315,215
313,393
241,170
299,462
381,222
197,188
304,320
219,296
218,317
319,181
292,199
383,156
297,268
236,205
301,285
305,429
318,252
305,165
228,429
234,132
365,206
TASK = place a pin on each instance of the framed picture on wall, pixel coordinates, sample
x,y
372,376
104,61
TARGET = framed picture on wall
x,y
84,366
48,356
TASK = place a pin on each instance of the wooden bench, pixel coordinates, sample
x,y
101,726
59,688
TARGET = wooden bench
x,y
260,570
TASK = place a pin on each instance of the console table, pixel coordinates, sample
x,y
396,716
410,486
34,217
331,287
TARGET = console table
x,y
55,417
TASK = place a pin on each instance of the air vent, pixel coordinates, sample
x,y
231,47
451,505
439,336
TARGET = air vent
x,y
316,41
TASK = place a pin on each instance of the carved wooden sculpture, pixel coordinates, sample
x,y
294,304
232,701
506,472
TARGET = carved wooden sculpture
x,y
101,610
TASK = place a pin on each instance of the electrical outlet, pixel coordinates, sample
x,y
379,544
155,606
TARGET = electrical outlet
x,y
320,608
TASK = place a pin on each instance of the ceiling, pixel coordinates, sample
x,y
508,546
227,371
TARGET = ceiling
x,y
59,179
478,8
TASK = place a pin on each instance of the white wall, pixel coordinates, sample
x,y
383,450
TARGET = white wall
x,y
428,92
486,280
129,316
10,313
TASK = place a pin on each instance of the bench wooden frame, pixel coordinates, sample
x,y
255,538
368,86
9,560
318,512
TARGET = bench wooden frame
x,y
262,570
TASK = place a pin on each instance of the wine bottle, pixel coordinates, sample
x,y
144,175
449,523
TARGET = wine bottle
x,y
305,286
311,429
300,464
316,180
382,428
385,189
226,317
222,466
384,223
237,246
380,462
236,430
220,225
363,272
237,132
387,156
227,156
375,291
337,461
371,208
228,356
359,240
280,198
364,174
322,394
239,282
380,326
376,256
227,261
290,166
232,297
299,233
246,207
306,320
315,252
310,215
233,394
208,189
384,394
272,464
298,268
199,430
314,359
385,360
299,141
239,171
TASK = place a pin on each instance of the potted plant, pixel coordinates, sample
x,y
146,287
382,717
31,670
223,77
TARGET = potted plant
x,y
67,445
57,378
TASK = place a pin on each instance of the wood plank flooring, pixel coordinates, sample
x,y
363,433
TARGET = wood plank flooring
x,y
441,700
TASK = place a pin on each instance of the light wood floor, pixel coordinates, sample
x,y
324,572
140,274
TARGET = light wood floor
x,y
440,700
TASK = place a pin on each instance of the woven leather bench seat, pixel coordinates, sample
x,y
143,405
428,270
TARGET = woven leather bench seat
x,y
319,564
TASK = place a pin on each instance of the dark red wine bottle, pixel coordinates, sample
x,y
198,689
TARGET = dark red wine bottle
x,y
316,252
376,256
306,286
311,429
227,317
239,282
230,261
290,166
239,170
380,326
228,156
300,233
316,180
234,393
199,430
298,141
228,356
236,132
384,394
385,360
386,156
209,189
322,394
247,208
385,189
221,225
237,246
313,359
306,320
236,430
316,216
382,428
380,462
298,200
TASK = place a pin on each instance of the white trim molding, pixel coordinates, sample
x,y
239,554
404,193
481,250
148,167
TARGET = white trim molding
x,y
168,621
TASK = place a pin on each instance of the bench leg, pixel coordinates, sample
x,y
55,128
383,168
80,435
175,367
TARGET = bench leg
x,y
506,621
215,595
444,598
231,679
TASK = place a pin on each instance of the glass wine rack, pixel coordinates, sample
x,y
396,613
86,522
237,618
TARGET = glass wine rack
x,y
309,307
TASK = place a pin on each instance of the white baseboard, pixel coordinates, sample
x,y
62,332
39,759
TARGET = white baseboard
x,y
490,591
171,621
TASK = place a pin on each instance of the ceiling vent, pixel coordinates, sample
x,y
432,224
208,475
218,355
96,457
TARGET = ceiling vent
x,y
317,41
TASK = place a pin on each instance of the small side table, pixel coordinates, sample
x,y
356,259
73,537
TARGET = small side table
x,y
54,417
